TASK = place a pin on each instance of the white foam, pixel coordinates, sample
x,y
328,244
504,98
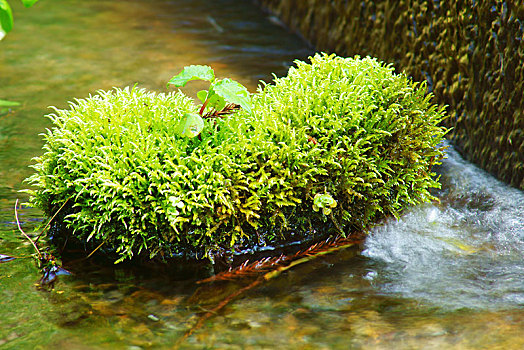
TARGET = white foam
x,y
467,251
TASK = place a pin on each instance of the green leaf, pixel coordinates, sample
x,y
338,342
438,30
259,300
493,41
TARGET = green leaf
x,y
233,92
202,95
190,126
220,104
4,103
6,18
215,101
324,201
28,3
194,72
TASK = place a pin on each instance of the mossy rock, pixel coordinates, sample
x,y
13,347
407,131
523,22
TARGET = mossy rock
x,y
345,135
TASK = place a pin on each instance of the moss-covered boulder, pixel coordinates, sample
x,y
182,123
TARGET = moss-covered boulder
x,y
331,148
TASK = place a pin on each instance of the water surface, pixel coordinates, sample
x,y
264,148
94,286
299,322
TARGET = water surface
x,y
446,275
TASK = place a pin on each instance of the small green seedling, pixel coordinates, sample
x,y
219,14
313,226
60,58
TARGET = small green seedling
x,y
223,97
324,202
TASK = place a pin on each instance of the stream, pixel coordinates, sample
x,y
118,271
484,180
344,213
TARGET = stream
x,y
446,275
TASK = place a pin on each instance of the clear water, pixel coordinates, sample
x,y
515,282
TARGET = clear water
x,y
445,276
466,251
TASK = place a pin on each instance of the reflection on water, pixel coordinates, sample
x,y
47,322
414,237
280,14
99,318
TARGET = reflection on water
x,y
446,275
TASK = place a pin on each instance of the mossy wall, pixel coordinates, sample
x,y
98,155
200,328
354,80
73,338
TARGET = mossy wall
x,y
471,53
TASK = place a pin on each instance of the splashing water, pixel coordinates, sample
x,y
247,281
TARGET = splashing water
x,y
465,252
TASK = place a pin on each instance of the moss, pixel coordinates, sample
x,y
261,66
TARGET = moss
x,y
347,129
468,51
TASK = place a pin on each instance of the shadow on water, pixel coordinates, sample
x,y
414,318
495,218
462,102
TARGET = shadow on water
x,y
446,275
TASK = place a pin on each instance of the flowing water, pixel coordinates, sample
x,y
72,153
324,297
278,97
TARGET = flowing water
x,y
447,275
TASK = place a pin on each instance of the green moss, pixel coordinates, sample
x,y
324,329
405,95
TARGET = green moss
x,y
347,129
469,52
374,133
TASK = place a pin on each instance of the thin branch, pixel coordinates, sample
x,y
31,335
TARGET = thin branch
x,y
49,222
25,235
271,268
246,269
72,262
310,255
228,109
93,252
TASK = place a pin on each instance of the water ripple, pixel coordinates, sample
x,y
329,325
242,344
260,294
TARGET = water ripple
x,y
465,252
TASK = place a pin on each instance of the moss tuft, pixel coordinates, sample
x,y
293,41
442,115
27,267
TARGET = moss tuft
x,y
343,134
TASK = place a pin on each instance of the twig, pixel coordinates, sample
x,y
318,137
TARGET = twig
x,y
246,269
93,252
90,254
49,222
201,111
272,268
25,235
228,109
308,257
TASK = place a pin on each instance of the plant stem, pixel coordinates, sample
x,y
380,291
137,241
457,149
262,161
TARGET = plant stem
x,y
25,235
201,112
